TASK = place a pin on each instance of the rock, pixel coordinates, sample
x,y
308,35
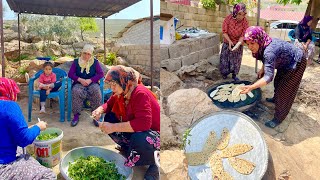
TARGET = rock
x,y
214,60
173,166
186,106
200,78
62,60
166,135
169,82
121,61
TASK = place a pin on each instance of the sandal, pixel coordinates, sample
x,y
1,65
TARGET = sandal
x,y
317,61
273,123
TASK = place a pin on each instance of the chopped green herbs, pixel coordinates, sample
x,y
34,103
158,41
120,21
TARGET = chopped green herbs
x,y
93,167
44,137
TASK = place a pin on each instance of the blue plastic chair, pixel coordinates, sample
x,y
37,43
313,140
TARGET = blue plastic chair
x,y
103,92
60,94
291,35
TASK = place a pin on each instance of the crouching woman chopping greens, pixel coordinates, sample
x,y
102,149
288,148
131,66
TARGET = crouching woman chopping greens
x,y
289,62
132,119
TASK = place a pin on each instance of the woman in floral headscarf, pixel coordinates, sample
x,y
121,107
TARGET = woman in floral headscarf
x,y
14,132
233,28
85,73
303,35
132,119
289,62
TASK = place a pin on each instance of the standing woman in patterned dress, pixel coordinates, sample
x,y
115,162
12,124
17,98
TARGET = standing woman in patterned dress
x,y
233,28
289,62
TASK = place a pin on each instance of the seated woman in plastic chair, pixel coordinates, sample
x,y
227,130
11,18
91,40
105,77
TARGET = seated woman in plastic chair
x,y
132,119
303,35
85,73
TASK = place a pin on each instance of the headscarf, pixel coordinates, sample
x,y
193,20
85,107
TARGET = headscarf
x,y
86,64
8,89
258,35
240,7
305,28
128,79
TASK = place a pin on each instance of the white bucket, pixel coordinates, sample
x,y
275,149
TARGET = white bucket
x,y
48,153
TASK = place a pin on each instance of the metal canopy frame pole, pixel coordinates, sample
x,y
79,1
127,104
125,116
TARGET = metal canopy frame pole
x,y
19,39
151,42
258,23
2,41
104,39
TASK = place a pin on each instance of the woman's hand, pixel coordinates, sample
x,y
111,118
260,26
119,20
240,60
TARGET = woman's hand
x,y
246,89
42,125
261,73
106,127
88,81
83,82
97,113
230,45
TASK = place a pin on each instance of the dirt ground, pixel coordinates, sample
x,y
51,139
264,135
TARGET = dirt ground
x,y
294,145
84,134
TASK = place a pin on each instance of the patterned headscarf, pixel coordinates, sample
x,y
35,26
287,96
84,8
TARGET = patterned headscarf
x,y
86,64
8,89
240,7
128,79
258,35
306,29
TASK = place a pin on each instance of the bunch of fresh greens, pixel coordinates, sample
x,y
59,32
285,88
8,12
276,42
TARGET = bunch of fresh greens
x,y
44,137
93,167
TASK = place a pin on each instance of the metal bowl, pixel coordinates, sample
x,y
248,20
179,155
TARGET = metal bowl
x,y
106,154
243,130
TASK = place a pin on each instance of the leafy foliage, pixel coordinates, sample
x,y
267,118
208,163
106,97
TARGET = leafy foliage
x,y
289,2
111,58
87,25
185,137
22,57
208,4
45,137
93,167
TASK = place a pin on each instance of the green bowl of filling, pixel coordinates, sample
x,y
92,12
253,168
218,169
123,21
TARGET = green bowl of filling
x,y
91,162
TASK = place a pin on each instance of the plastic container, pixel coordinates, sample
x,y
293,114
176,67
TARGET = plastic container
x,y
48,153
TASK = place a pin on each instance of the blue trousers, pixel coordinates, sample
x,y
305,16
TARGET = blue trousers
x,y
43,95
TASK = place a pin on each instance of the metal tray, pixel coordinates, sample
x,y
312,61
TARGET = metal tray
x,y
242,130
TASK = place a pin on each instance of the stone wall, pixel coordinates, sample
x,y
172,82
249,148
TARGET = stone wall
x,y
140,33
199,17
139,54
188,51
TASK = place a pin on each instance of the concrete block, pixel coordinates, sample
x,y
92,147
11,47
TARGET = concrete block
x,y
214,60
163,4
196,23
216,49
210,30
202,44
205,53
188,16
210,12
183,8
171,64
173,7
209,42
201,11
203,18
217,24
210,24
203,24
190,59
193,10
194,46
178,49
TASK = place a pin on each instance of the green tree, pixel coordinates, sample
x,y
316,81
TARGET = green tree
x,y
87,25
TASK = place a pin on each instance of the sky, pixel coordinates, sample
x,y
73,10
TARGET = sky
x,y
132,12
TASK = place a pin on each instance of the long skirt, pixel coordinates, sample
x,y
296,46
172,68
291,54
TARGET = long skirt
x,y
80,93
309,54
286,85
230,61
25,169
139,146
